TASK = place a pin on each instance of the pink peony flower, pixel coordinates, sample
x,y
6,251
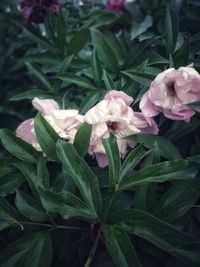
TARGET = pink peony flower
x,y
113,115
170,93
36,10
117,6
64,122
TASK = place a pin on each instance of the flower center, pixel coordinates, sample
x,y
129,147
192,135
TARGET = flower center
x,y
112,125
171,89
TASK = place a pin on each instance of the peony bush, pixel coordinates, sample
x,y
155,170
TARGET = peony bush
x,y
99,134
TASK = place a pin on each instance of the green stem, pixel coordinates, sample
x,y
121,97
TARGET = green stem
x,y
54,226
94,247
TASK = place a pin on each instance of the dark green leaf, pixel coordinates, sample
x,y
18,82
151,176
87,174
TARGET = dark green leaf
x,y
61,31
10,182
108,81
97,69
120,247
90,100
104,51
30,207
177,200
65,65
132,160
40,76
171,30
114,160
82,139
141,77
46,136
82,175
78,41
34,250
161,172
139,28
78,80
194,105
182,54
161,234
17,147
66,204
163,145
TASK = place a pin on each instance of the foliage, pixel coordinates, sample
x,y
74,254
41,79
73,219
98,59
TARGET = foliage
x,y
58,208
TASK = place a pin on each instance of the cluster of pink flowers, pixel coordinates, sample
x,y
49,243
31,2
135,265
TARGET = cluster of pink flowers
x,y
169,93
36,10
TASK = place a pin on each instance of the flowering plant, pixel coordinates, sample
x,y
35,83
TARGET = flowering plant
x,y
107,172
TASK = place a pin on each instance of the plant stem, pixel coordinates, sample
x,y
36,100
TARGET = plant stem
x,y
94,247
54,226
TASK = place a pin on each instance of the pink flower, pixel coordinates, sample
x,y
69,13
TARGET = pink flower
x,y
36,10
113,115
64,122
26,132
170,93
117,6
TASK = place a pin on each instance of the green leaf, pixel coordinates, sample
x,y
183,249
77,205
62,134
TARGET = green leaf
x,y
66,204
30,174
177,200
114,160
40,76
90,100
139,28
141,77
104,51
78,80
161,234
78,41
108,81
82,175
8,214
30,95
34,250
161,172
65,65
30,207
120,247
17,147
46,136
96,69
194,105
42,172
171,30
82,139
36,37
163,145
132,160
10,182
61,31
182,54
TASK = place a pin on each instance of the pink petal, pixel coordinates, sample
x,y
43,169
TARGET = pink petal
x,y
45,106
26,131
147,107
115,95
101,160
